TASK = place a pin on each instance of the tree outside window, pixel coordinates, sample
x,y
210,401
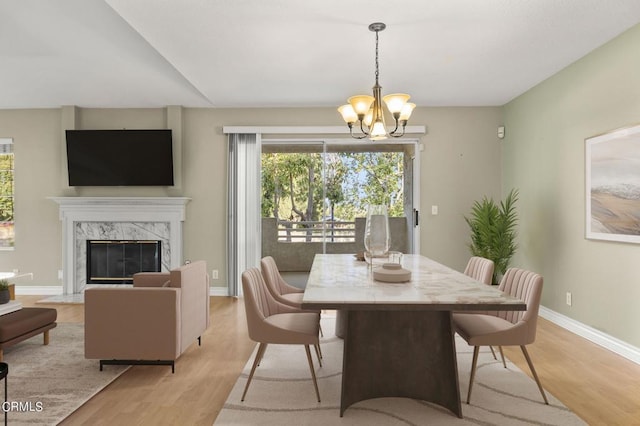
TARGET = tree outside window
x,y
293,187
7,236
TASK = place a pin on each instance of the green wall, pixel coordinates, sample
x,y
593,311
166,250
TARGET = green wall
x,y
544,157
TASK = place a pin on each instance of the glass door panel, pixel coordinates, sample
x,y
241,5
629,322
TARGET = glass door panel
x,y
315,196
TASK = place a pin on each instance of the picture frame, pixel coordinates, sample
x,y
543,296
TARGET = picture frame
x,y
612,183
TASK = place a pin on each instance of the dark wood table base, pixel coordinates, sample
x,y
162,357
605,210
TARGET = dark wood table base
x,y
398,353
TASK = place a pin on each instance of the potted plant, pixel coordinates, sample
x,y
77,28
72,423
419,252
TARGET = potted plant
x,y
4,291
493,231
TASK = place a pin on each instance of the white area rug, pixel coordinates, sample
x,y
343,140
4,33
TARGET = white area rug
x,y
57,376
281,393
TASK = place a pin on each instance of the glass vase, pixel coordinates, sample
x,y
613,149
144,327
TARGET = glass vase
x,y
376,231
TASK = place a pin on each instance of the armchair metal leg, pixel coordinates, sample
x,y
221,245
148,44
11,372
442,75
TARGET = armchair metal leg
x,y
256,362
535,375
313,373
476,349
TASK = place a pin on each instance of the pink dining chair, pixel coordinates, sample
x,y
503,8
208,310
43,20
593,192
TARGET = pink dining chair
x,y
272,322
280,290
505,328
481,269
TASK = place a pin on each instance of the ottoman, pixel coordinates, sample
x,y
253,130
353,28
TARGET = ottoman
x,y
25,323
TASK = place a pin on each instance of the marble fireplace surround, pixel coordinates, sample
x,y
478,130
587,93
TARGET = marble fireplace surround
x,y
126,218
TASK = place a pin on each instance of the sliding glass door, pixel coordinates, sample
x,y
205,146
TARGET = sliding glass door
x,y
315,195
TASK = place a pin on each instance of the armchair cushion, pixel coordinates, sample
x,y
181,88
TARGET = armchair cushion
x,y
151,279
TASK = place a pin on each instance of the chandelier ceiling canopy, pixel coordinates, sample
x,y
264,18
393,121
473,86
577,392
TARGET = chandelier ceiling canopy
x,y
366,111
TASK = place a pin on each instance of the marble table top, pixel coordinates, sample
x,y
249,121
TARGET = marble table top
x,y
340,281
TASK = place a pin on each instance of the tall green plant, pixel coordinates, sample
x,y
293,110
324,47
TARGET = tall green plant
x,y
493,231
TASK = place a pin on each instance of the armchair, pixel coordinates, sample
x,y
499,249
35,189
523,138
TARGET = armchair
x,y
153,322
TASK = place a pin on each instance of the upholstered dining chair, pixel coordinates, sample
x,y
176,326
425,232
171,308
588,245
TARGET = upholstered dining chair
x,y
272,322
505,328
280,290
481,269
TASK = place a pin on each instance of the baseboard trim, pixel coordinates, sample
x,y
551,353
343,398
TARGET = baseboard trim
x,y
33,290
615,345
218,291
39,290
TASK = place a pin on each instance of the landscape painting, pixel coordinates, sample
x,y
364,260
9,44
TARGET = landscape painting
x,y
613,186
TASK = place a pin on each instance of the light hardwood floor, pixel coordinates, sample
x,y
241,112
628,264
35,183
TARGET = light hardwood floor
x,y
598,385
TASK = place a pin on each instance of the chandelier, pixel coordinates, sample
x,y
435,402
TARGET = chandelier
x,y
367,110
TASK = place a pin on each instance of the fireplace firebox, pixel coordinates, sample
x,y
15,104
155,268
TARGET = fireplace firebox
x,y
115,261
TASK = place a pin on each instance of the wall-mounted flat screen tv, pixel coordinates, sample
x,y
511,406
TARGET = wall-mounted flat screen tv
x,y
120,157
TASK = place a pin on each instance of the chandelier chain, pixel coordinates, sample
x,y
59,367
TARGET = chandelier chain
x,y
377,66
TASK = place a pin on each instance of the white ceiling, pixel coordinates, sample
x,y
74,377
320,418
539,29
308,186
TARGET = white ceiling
x,y
295,53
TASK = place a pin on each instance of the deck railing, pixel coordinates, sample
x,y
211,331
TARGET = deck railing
x,y
316,231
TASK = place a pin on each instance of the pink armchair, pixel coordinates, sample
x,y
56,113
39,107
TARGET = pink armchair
x,y
152,323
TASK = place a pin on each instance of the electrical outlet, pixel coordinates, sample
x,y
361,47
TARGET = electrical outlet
x,y
214,274
569,298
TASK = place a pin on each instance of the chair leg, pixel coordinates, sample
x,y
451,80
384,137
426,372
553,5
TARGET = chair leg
x,y
262,354
493,352
256,362
318,354
476,349
533,371
313,373
504,363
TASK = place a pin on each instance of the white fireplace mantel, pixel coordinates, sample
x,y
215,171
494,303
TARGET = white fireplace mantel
x,y
78,210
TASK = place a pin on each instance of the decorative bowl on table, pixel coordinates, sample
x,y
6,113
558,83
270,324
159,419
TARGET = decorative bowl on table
x,y
391,273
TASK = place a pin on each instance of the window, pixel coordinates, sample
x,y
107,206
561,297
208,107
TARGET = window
x,y
315,191
6,194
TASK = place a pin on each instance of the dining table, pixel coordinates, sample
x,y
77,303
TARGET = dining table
x,y
399,338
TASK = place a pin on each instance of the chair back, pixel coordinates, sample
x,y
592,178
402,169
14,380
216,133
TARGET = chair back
x,y
275,283
480,269
258,303
526,286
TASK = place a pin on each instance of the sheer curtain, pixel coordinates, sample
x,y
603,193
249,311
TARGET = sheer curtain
x,y
243,201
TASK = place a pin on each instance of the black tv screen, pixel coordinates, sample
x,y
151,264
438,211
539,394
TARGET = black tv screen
x,y
120,157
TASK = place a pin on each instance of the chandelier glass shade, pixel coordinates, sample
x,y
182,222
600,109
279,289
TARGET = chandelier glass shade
x,y
366,112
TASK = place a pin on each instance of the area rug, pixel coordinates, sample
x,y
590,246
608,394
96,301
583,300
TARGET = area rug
x,y
281,393
47,383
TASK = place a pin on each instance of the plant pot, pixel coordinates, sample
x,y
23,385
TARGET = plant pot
x,y
4,296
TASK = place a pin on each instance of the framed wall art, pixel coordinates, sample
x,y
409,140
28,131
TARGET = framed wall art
x,y
613,185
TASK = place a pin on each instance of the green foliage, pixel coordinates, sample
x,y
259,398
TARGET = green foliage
x,y
292,184
6,187
493,231
4,284
375,178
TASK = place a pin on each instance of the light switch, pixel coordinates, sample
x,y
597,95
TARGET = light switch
x,y
434,210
